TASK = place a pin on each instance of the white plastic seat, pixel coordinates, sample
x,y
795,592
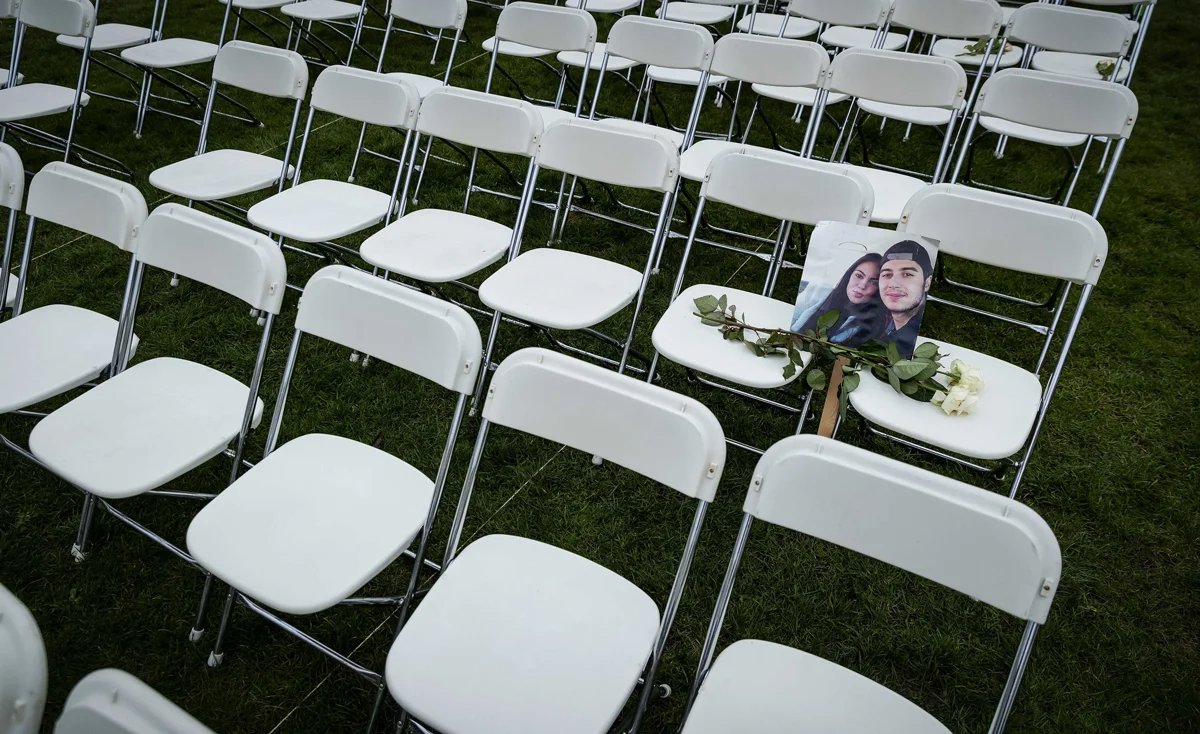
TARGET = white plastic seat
x,y
681,11
423,84
257,4
142,428
767,24
892,192
320,210
694,162
577,58
51,350
316,519
560,289
506,599
37,99
671,137
805,96
770,688
110,37
604,6
848,37
218,174
321,10
682,338
996,429
1080,65
929,116
553,115
437,246
1046,136
171,53
953,48
512,48
686,77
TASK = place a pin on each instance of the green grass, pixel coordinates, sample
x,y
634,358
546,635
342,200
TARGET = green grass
x,y
1114,473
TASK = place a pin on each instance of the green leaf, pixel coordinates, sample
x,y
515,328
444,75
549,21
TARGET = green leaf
x,y
908,388
779,337
723,303
893,354
895,381
906,369
815,379
710,321
789,370
827,319
930,370
706,304
843,403
927,350
850,382
733,334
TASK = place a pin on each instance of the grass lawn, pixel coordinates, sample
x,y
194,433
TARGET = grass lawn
x,y
1114,473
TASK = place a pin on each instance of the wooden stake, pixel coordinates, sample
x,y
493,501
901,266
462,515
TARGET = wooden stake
x,y
829,412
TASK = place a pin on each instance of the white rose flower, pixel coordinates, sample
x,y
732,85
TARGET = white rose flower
x,y
972,379
958,400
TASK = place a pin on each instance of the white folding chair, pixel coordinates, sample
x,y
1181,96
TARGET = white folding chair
x,y
352,509
607,6
8,11
702,12
950,26
584,634
851,23
558,289
440,246
329,14
55,348
1072,41
991,549
161,418
783,188
1138,14
778,24
1054,110
1023,237
323,210
108,700
920,89
35,100
212,176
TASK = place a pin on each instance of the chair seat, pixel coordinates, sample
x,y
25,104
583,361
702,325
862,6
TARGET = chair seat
x,y
320,210
437,246
576,58
321,10
170,53
952,48
27,101
311,523
553,116
218,174
681,337
257,4
604,6
687,77
520,636
1080,65
512,48
672,137
50,350
110,37
843,36
996,429
423,84
699,13
767,688
929,116
139,430
892,192
1031,133
694,162
559,289
804,96
767,24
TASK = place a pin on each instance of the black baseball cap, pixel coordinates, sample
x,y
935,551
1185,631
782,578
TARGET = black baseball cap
x,y
910,250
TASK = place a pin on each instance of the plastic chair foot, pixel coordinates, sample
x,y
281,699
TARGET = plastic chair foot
x,y
597,461
353,356
195,635
78,554
174,281
215,659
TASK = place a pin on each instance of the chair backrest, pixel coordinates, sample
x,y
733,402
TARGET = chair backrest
x,y
1058,102
88,202
659,42
783,186
366,96
551,27
897,77
114,702
67,17
659,434
12,178
23,674
950,18
229,257
600,152
481,120
973,541
782,62
1074,30
861,13
442,14
267,70
1009,231
416,332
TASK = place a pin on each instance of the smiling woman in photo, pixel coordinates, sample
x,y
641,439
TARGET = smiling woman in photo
x,y
861,314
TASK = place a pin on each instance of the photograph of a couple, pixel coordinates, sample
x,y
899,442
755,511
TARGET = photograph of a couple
x,y
876,280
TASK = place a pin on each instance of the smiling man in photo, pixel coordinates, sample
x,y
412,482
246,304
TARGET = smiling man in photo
x,y
904,280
